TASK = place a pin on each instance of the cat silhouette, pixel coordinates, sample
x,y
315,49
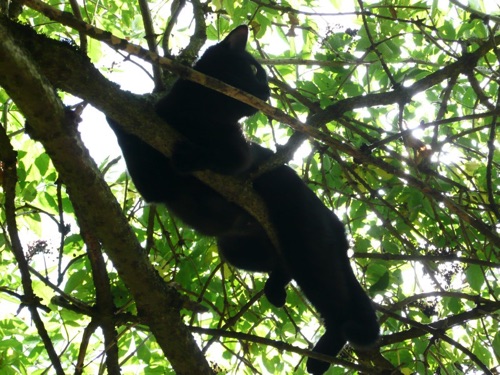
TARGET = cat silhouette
x,y
312,241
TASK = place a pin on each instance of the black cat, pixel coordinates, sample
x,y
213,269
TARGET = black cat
x,y
214,140
312,239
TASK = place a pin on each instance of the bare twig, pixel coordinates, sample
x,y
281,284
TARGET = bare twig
x,y
151,40
175,11
75,7
105,306
423,258
278,345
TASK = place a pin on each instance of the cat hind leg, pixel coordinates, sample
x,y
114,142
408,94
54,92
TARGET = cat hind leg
x,y
330,344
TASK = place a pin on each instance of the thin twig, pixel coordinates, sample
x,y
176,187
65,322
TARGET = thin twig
x,y
9,159
75,7
151,40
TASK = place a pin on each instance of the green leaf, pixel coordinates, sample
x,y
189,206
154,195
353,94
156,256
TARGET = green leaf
x,y
454,304
475,277
30,191
42,163
496,345
482,352
381,284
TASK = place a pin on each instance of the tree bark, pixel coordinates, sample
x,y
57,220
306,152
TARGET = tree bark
x,y
94,204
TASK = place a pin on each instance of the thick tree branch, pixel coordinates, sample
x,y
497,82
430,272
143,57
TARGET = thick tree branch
x,y
95,205
402,94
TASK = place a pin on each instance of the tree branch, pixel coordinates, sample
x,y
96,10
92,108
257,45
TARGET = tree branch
x,y
9,159
278,345
104,306
199,37
151,40
426,258
134,113
75,7
183,71
175,11
96,207
437,329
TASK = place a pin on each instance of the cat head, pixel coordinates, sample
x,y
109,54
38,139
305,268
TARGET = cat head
x,y
229,62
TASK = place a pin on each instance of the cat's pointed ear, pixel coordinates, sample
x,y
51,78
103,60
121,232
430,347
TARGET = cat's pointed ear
x,y
237,39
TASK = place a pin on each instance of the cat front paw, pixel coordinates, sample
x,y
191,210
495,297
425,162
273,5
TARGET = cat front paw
x,y
276,296
275,288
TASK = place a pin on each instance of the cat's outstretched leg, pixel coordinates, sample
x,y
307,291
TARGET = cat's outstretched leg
x,y
330,344
350,319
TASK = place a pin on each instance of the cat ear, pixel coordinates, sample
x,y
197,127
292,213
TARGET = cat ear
x,y
237,39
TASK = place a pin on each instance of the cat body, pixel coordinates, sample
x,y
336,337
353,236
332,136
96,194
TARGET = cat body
x,y
208,121
313,244
213,140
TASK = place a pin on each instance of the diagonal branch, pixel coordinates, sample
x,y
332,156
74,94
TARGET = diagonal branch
x,y
183,71
94,205
134,113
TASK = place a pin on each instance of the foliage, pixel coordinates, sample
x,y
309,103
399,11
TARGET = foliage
x,y
392,119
